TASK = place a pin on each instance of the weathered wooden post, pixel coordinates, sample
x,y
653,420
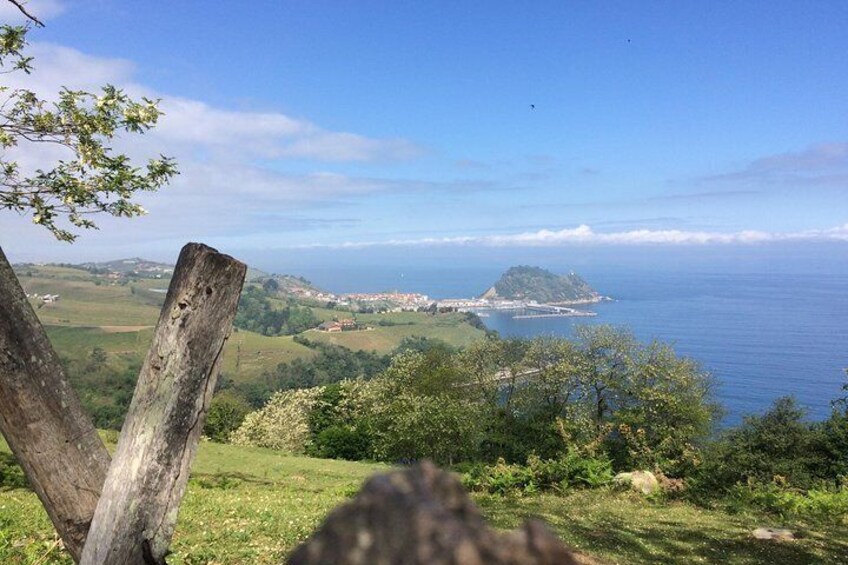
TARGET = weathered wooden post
x,y
135,518
43,420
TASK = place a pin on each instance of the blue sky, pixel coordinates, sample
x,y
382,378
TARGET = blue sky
x,y
333,131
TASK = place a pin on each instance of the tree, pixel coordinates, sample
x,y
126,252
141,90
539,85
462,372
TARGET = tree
x,y
776,445
424,407
92,178
226,413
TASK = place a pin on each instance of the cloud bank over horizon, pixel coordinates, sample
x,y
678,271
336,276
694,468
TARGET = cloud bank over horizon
x,y
585,235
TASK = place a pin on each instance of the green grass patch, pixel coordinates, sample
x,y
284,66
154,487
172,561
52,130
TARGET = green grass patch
x,y
451,328
247,354
253,505
78,342
243,505
624,527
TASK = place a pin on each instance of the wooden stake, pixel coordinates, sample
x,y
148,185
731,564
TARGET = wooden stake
x,y
135,518
43,421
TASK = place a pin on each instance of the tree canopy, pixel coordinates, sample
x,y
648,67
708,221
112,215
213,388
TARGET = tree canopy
x,y
92,178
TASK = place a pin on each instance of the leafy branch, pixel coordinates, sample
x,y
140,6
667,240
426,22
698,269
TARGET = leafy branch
x,y
93,179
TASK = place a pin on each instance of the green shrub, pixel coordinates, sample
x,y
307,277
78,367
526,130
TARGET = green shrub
x,y
341,442
834,438
640,403
776,445
11,474
570,471
226,413
283,423
337,425
421,407
592,471
501,478
821,505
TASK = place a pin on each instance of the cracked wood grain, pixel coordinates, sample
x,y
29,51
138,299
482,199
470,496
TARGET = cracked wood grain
x,y
136,515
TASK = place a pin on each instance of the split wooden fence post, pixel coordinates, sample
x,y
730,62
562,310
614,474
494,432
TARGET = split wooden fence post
x,y
135,518
43,421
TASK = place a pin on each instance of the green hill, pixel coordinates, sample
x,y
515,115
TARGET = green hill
x,y
535,283
101,320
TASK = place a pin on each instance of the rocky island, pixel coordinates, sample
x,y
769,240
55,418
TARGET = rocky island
x,y
532,292
534,284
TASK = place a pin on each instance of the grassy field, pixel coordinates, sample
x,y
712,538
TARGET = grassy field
x,y
248,354
84,302
623,527
451,328
243,505
252,505
92,312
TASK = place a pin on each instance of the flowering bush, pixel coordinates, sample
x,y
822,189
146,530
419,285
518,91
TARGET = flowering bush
x,y
283,423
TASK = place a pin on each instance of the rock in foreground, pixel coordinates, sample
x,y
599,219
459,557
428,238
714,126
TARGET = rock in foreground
x,y
423,515
640,481
774,534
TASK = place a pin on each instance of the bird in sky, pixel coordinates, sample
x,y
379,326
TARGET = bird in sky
x,y
532,106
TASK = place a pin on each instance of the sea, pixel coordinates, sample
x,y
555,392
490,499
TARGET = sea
x,y
761,336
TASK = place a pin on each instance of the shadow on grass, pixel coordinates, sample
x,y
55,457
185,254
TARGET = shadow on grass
x,y
656,535
649,544
226,481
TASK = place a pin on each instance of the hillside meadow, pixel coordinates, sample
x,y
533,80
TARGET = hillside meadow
x,y
252,505
119,318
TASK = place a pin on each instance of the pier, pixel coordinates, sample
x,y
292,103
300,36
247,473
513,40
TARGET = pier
x,y
482,307
569,314
551,311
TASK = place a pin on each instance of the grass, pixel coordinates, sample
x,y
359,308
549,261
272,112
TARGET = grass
x,y
120,320
84,303
248,354
243,505
78,342
451,328
623,527
253,505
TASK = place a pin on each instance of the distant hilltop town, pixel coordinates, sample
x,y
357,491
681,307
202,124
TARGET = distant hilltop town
x,y
530,291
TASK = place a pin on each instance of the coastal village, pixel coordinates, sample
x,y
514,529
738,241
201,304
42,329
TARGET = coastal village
x,y
383,302
126,270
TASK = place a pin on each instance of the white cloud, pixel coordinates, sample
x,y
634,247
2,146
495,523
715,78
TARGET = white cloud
x,y
191,125
822,164
230,179
584,235
270,135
